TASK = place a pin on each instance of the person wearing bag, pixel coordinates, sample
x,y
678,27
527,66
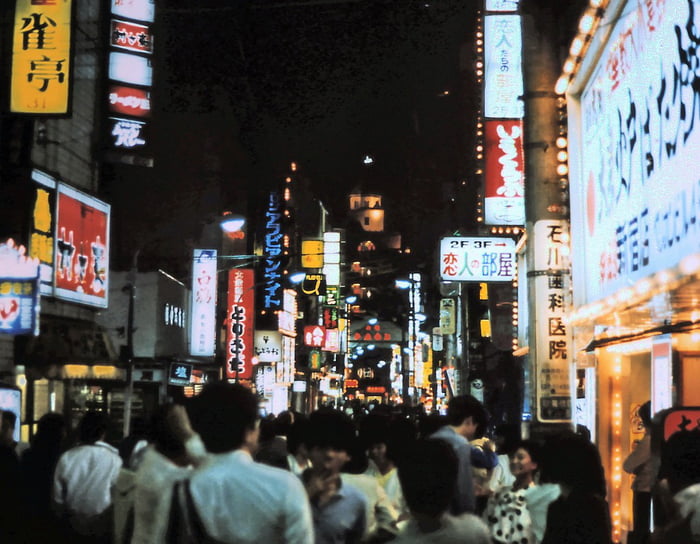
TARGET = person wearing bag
x,y
229,497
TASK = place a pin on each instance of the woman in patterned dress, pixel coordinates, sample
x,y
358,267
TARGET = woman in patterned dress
x,y
506,512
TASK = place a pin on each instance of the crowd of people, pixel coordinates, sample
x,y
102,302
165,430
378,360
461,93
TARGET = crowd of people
x,y
214,471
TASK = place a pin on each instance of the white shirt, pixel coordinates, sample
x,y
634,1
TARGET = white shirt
x,y
379,511
453,530
239,500
82,482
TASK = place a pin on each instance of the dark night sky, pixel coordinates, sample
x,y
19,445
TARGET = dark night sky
x,y
324,82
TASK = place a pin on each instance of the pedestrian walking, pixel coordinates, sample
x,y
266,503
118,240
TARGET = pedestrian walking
x,y
83,480
429,476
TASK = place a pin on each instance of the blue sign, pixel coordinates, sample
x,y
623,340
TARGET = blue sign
x,y
19,305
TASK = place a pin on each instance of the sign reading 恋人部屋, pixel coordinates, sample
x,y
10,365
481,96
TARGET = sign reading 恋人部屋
x,y
636,203
477,259
503,78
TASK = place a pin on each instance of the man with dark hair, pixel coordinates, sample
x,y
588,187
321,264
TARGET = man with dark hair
x,y
83,480
640,463
339,509
235,498
428,474
465,415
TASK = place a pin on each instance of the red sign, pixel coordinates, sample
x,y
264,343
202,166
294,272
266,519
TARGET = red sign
x,y
376,389
129,101
504,186
314,336
351,384
131,36
82,248
240,324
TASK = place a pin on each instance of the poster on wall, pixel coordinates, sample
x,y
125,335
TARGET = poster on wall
x,y
81,266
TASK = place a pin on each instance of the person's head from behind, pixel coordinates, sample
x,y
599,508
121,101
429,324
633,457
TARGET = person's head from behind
x,y
644,413
680,460
50,431
506,436
573,462
93,427
428,476
164,436
468,414
7,427
331,439
226,417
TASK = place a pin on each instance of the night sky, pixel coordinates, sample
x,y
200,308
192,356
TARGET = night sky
x,y
325,82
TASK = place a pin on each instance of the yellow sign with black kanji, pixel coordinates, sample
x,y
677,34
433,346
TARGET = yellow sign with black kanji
x,y
41,57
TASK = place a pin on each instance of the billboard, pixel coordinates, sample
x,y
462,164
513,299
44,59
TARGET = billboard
x,y
19,291
43,227
477,259
240,323
41,57
81,266
504,178
203,313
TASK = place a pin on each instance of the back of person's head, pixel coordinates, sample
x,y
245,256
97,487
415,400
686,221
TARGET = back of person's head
x,y
222,414
330,428
428,476
9,419
267,428
297,436
464,406
93,427
507,437
430,423
572,460
645,413
50,430
283,423
161,434
680,460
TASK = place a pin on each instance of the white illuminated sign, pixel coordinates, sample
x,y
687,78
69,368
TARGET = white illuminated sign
x,y
503,78
130,68
203,316
477,259
141,10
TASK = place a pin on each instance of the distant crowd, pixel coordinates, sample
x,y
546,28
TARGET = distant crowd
x,y
215,472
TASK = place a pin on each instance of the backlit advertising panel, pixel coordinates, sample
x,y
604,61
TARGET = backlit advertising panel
x,y
502,5
41,57
503,78
141,10
19,290
636,202
477,259
240,324
43,227
203,313
131,36
132,69
504,180
272,263
81,269
125,100
128,134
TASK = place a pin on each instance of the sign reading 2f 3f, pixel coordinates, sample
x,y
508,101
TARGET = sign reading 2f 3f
x,y
477,259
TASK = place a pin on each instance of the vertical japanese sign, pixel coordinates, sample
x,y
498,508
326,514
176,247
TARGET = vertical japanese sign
x,y
503,78
240,324
41,57
81,269
19,291
272,264
553,346
504,178
43,227
477,259
662,373
203,323
131,76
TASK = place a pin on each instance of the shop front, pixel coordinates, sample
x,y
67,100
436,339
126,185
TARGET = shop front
x,y
635,216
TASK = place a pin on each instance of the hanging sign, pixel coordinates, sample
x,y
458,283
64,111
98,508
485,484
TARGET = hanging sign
x,y
19,291
477,259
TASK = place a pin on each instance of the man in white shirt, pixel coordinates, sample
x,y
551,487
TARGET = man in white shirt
x,y
83,480
235,498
